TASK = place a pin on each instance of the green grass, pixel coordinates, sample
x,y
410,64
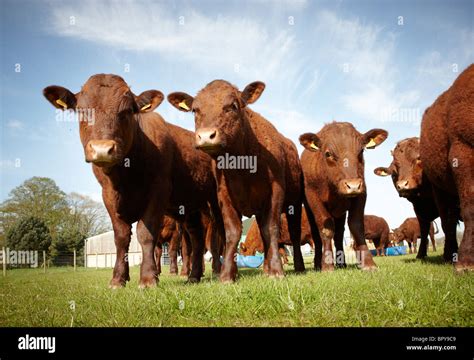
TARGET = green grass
x,y
402,292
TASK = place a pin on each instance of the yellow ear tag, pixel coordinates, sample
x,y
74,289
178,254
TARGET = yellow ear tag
x,y
371,144
183,105
62,103
313,146
145,107
383,173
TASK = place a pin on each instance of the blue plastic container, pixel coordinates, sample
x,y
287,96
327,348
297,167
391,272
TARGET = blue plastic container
x,y
247,261
392,251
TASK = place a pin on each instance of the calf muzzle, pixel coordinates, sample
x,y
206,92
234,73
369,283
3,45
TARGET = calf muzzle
x,y
101,152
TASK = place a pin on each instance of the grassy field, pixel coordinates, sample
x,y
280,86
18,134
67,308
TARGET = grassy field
x,y
403,292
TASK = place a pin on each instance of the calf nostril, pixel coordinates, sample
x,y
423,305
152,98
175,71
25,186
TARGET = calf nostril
x,y
358,187
348,186
111,150
213,135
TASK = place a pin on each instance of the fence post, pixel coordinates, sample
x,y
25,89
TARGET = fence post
x,y
96,261
74,259
4,260
44,261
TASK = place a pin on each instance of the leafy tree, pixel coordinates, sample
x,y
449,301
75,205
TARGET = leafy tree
x,y
69,218
68,240
38,197
30,233
86,215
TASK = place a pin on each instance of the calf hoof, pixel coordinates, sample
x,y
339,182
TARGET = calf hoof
x,y
117,284
193,280
147,282
369,267
327,267
462,267
299,268
421,256
227,280
276,273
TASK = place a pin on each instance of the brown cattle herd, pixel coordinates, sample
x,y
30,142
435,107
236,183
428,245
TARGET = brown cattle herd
x,y
191,189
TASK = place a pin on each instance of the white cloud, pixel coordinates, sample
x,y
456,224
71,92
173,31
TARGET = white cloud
x,y
203,40
364,55
15,124
289,122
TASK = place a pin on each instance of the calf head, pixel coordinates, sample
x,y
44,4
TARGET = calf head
x,y
106,109
397,235
244,250
405,169
219,111
342,149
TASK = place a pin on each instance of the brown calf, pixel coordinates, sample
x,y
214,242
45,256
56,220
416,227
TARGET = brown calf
x,y
333,168
411,183
171,234
410,231
229,131
447,155
377,230
146,167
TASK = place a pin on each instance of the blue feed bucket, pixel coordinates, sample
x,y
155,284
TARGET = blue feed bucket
x,y
247,261
392,251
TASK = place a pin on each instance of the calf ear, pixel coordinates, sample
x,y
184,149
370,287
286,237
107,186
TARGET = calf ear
x,y
382,171
59,97
149,100
181,101
374,137
310,141
252,92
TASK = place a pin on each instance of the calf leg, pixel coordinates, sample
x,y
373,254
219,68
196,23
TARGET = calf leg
x,y
432,237
122,234
158,253
148,230
173,251
449,214
294,228
424,229
325,224
282,252
186,250
339,241
218,237
317,243
356,226
195,229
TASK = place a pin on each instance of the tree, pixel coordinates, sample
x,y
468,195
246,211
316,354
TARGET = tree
x,y
38,197
86,215
68,240
69,218
29,233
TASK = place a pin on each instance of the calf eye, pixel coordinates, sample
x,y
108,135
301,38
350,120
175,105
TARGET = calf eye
x,y
234,107
327,154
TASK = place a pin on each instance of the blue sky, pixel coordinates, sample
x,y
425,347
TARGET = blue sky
x,y
356,61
